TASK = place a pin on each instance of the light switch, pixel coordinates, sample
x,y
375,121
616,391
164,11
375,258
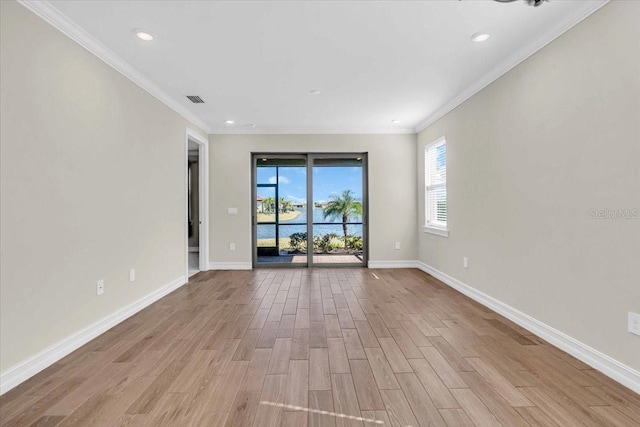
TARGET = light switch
x,y
232,211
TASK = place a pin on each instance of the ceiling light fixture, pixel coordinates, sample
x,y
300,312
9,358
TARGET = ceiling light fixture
x,y
143,35
395,121
314,92
229,122
480,37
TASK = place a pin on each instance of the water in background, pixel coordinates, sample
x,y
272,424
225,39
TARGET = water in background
x,y
287,228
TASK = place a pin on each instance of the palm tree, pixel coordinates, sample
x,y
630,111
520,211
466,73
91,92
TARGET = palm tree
x,y
268,204
345,207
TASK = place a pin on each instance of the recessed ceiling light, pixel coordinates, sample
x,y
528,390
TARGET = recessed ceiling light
x,y
315,92
395,121
229,122
480,37
143,35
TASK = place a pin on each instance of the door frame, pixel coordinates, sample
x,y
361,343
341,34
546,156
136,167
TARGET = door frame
x,y
309,157
365,205
203,199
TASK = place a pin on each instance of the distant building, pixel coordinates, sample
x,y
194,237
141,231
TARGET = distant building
x,y
259,204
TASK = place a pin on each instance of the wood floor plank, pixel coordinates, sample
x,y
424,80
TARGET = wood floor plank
x,y
398,409
268,335
338,360
247,345
416,335
294,419
456,418
297,393
300,344
320,347
243,410
474,407
317,335
611,416
286,326
221,400
319,372
497,404
352,344
214,420
419,401
321,404
381,370
345,400
408,348
279,361
377,326
448,375
269,413
394,355
436,389
367,337
302,318
375,418
499,383
365,384
256,371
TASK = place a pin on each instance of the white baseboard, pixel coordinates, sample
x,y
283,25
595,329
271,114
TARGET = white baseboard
x,y
617,371
47,357
230,266
392,264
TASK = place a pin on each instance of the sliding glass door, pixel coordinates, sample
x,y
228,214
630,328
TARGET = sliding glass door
x,y
309,210
338,209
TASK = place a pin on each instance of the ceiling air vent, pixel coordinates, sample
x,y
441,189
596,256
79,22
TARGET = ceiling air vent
x,y
195,99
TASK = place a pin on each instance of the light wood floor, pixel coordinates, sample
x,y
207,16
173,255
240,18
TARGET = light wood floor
x,y
323,347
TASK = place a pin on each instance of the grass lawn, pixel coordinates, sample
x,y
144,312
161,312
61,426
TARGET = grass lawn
x,y
284,243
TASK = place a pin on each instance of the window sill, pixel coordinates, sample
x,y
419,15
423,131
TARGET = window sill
x,y
435,230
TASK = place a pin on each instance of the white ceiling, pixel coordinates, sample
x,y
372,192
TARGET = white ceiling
x,y
255,62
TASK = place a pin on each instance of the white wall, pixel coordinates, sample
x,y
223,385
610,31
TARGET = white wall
x,y
392,189
93,184
528,158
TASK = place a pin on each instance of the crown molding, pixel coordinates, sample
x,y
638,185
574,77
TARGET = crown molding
x,y
512,61
62,23
309,131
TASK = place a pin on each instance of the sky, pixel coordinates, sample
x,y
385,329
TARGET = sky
x,y
327,181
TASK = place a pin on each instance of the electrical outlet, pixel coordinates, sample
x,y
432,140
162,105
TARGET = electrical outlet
x,y
634,323
232,246
397,245
132,275
465,262
100,287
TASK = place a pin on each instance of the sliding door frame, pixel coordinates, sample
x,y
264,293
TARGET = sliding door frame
x,y
365,208
309,160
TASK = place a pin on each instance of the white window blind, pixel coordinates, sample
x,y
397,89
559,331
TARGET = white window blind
x,y
436,184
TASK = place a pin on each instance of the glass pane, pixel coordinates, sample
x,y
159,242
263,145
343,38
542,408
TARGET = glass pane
x,y
337,211
281,203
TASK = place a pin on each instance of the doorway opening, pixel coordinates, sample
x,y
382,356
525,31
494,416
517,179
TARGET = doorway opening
x,y
309,210
197,204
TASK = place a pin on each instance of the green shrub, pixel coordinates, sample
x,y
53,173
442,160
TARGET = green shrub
x,y
327,242
297,242
354,242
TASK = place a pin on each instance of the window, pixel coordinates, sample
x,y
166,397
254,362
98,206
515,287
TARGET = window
x,y
436,187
